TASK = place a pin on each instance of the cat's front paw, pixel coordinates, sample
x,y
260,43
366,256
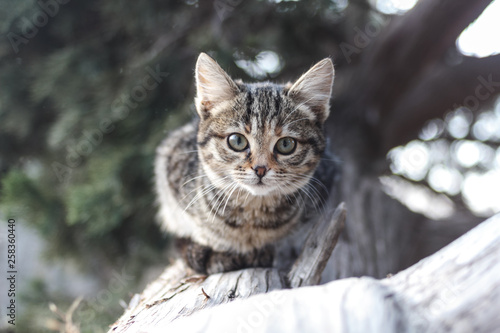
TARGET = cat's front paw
x,y
205,260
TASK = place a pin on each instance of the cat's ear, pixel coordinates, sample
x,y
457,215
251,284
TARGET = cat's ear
x,y
314,88
213,85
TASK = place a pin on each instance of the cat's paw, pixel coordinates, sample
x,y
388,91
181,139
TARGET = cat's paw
x,y
205,260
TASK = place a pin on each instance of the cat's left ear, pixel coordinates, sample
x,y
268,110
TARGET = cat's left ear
x,y
314,88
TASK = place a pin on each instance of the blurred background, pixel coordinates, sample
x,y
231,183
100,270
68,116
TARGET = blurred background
x,y
90,88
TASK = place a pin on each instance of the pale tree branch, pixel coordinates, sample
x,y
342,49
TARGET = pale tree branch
x,y
455,290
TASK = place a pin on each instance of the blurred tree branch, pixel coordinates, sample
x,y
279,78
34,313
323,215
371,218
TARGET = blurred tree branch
x,y
473,82
402,54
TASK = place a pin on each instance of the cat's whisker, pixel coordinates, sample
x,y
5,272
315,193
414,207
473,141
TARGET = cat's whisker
x,y
297,108
229,196
312,179
305,118
310,182
301,201
223,196
317,191
198,196
282,192
219,198
203,185
295,193
330,159
320,199
194,178
205,190
311,196
248,194
238,194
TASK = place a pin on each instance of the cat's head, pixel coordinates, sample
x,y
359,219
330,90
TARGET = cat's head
x,y
261,137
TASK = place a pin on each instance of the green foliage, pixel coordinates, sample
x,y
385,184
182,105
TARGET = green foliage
x,y
35,300
28,198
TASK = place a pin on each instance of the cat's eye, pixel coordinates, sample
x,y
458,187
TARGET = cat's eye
x,y
286,146
237,142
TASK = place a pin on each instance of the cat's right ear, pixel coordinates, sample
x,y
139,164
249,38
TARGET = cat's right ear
x,y
213,86
314,89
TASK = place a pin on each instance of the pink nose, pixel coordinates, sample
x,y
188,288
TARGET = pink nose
x,y
260,171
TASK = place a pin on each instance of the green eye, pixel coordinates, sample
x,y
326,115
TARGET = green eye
x,y
286,146
237,142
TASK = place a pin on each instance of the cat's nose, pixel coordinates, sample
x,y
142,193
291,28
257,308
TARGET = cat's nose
x,y
260,170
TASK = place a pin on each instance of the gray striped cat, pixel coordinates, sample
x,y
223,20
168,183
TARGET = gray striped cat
x,y
247,172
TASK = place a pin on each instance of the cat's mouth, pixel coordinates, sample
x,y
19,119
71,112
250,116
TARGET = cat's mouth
x,y
258,186
259,189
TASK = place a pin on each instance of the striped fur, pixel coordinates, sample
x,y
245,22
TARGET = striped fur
x,y
211,194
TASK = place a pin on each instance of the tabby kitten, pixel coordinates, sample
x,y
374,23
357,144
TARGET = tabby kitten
x,y
241,177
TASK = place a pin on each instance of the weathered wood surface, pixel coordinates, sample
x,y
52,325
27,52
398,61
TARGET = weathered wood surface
x,y
455,290
178,293
318,247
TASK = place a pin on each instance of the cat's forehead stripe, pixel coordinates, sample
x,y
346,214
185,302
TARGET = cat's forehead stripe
x,y
249,105
263,101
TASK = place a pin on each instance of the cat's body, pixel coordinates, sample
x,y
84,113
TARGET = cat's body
x,y
246,173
